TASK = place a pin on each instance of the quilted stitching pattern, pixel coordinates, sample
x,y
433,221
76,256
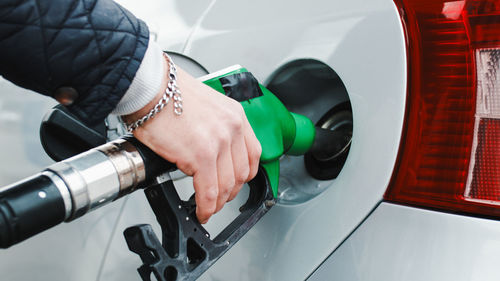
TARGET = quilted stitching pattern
x,y
94,46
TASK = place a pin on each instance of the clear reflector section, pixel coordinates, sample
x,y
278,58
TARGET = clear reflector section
x,y
488,83
483,182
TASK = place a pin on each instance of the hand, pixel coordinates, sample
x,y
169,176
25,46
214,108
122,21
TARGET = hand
x,y
211,141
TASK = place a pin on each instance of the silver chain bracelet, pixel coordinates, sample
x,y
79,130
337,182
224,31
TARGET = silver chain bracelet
x,y
171,92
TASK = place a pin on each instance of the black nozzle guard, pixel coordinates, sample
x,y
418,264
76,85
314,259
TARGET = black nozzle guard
x,y
186,250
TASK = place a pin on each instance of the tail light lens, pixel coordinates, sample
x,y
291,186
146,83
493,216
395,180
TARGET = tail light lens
x,y
450,150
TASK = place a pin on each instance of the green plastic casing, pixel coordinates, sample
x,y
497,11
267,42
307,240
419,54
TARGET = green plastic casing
x,y
278,130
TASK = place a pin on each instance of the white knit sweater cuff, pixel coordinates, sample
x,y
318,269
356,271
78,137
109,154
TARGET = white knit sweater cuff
x,y
146,83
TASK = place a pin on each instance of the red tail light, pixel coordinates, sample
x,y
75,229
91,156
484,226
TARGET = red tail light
x,y
450,152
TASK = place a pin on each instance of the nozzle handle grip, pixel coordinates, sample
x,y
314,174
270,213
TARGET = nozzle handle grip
x,y
28,208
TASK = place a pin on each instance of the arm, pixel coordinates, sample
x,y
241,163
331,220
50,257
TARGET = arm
x,y
53,46
103,52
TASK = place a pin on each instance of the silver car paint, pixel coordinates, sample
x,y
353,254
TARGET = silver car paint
x,y
402,243
361,40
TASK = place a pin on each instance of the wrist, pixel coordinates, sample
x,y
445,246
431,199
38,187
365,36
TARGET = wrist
x,y
169,91
146,83
132,117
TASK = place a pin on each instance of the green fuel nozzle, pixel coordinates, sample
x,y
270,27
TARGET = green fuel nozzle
x,y
278,130
97,173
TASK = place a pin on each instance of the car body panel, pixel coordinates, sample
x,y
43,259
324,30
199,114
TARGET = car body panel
x,y
403,243
362,41
357,40
171,23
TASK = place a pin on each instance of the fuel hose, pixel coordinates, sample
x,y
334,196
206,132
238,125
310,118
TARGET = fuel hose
x,y
69,189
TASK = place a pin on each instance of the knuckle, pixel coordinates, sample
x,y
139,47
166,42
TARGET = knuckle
x,y
242,176
204,213
226,188
210,195
235,192
237,125
224,139
235,118
234,123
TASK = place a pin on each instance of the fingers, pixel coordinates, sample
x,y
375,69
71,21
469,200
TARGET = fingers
x,y
241,165
215,143
234,165
254,151
206,191
225,176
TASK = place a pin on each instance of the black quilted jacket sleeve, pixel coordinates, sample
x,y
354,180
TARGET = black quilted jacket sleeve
x,y
93,46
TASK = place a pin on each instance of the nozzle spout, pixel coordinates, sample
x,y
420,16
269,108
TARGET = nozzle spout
x,y
329,144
